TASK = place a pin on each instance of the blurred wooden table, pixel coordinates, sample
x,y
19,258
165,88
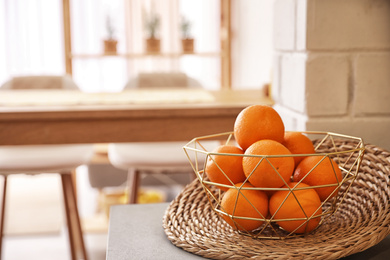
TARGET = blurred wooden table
x,y
74,117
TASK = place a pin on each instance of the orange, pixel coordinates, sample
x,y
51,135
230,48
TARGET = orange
x,y
298,143
258,122
225,169
298,204
326,172
244,203
260,172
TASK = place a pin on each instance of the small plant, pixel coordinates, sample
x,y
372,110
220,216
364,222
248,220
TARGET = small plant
x,y
152,24
110,43
185,28
110,28
187,40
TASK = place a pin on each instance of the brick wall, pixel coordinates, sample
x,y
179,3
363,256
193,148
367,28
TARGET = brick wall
x,y
332,66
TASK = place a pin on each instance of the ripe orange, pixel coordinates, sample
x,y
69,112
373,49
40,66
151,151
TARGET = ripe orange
x,y
298,143
326,172
299,204
244,203
258,122
259,170
222,168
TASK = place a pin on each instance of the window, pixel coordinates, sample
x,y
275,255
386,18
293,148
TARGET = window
x,y
33,41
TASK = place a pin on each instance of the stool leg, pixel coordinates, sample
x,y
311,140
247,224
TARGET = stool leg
x,y
132,184
2,215
75,232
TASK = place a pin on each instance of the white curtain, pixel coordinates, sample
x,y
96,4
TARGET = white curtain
x,y
205,16
252,44
31,38
91,71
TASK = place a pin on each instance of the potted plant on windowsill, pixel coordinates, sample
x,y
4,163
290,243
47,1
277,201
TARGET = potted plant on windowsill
x,y
187,41
152,25
110,43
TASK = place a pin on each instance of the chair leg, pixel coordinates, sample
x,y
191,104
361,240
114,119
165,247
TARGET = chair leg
x,y
133,181
2,215
75,232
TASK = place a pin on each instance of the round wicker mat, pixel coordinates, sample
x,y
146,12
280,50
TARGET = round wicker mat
x,y
361,222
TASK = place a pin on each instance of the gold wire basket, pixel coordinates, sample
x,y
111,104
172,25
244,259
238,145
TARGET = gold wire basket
x,y
327,145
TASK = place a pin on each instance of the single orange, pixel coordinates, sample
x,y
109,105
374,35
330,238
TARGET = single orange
x,y
258,122
225,169
326,172
241,204
298,143
268,172
303,205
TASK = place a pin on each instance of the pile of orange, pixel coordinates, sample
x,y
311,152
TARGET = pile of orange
x,y
269,174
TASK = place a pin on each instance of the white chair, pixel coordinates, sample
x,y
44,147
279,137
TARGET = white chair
x,y
137,158
152,157
162,80
40,82
59,159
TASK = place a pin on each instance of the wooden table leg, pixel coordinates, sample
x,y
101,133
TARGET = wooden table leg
x,y
133,181
76,239
3,214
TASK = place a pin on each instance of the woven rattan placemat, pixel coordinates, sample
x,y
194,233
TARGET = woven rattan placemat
x,y
361,222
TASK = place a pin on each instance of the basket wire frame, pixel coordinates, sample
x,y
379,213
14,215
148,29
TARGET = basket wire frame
x,y
349,165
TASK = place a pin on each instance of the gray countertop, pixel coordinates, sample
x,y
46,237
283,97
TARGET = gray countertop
x,y
136,232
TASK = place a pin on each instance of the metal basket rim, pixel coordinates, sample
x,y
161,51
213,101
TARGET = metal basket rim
x,y
360,146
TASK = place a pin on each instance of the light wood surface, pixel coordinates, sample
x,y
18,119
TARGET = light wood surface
x,y
105,120
225,32
67,36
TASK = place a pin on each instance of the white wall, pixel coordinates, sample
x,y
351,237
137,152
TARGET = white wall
x,y
252,43
332,64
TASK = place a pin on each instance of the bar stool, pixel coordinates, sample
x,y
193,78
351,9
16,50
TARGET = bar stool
x,y
162,157
151,157
59,159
